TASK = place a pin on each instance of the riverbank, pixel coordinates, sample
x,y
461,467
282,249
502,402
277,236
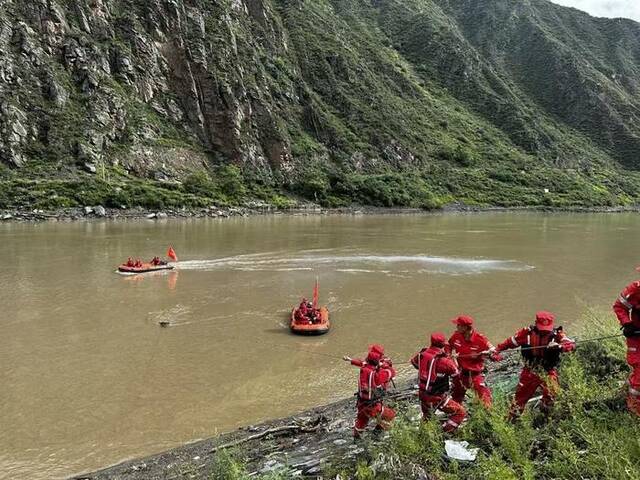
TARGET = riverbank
x,y
307,444
90,213
589,435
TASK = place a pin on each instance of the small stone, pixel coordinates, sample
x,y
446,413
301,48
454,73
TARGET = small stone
x,y
271,466
88,210
161,215
339,441
100,211
151,216
136,468
8,216
90,167
196,457
19,129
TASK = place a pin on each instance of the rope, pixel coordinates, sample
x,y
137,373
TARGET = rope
x,y
514,350
289,347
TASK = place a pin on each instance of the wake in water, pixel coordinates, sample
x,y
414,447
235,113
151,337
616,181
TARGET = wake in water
x,y
350,263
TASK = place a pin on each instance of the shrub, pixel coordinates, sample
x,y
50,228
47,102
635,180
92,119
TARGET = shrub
x,y
200,183
460,154
313,184
231,182
388,190
227,466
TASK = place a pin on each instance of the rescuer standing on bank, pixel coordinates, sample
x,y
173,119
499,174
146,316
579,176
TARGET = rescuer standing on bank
x,y
470,348
376,371
434,372
627,309
541,346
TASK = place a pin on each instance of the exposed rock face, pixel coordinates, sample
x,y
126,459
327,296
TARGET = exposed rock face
x,y
272,84
98,74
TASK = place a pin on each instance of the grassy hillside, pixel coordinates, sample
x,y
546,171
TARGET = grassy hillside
x,y
386,103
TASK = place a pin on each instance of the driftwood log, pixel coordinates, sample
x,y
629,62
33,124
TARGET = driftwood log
x,y
276,431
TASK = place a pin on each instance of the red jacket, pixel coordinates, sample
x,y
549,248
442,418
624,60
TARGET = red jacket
x,y
627,306
373,378
469,350
533,343
627,309
434,370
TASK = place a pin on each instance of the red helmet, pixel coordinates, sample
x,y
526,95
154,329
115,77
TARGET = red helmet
x,y
438,340
465,320
376,352
544,321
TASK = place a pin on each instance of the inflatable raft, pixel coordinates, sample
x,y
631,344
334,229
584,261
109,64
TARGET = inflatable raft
x,y
144,268
306,327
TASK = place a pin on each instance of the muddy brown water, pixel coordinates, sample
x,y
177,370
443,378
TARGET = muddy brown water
x,y
88,377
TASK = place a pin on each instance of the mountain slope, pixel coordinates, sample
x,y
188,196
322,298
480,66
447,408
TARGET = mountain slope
x,y
386,102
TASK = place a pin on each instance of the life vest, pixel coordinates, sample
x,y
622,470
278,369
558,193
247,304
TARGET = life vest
x,y
547,358
430,380
367,388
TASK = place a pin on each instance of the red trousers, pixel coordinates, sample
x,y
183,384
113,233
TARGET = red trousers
x,y
454,411
633,397
529,383
474,380
381,414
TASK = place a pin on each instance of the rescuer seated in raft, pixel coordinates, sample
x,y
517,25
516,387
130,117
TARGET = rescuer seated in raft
x,y
301,312
130,262
306,313
156,261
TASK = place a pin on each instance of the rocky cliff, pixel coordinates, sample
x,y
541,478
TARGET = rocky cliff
x,y
386,102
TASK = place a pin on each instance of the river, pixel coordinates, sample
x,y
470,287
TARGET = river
x,y
89,378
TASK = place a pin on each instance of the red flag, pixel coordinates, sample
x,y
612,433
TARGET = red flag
x,y
171,253
315,295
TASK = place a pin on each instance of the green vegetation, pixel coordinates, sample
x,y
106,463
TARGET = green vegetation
x,y
229,466
589,433
390,103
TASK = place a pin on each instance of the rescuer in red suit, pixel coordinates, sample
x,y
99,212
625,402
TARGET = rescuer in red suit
x,y
541,346
627,309
469,348
434,372
376,372
302,312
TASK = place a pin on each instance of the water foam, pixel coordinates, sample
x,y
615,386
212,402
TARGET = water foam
x,y
355,263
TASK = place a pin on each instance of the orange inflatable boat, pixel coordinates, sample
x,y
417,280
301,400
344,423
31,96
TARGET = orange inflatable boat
x,y
143,268
155,265
303,325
